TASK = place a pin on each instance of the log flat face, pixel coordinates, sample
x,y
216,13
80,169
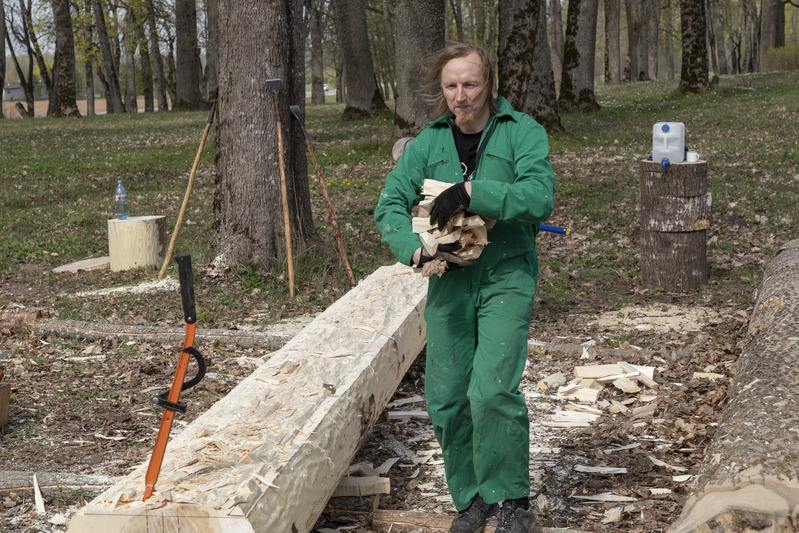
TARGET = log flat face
x,y
268,456
750,477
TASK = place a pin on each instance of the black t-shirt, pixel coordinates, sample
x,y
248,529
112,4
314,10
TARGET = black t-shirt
x,y
466,143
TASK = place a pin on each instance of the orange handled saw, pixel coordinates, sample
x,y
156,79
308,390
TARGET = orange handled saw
x,y
169,399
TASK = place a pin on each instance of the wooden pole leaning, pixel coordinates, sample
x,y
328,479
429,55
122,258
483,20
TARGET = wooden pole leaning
x,y
297,112
193,173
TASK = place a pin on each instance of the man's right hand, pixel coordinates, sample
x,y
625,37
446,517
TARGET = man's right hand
x,y
443,251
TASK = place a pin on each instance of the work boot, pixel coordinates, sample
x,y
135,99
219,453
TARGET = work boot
x,y
516,516
473,519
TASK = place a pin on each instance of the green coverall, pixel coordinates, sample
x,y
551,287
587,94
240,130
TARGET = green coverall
x,y
478,317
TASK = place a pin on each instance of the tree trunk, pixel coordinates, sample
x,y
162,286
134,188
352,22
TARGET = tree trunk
x,y
747,481
170,74
146,66
612,45
643,41
772,27
417,38
632,10
65,104
653,34
35,51
392,50
457,14
114,96
86,35
247,200
716,28
129,44
668,29
317,28
556,38
750,55
693,75
2,55
526,78
363,98
212,50
187,62
577,80
155,55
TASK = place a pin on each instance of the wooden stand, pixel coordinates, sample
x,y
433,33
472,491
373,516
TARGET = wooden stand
x,y
136,242
5,401
675,216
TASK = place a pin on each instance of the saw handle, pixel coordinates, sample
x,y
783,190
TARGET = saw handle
x,y
186,278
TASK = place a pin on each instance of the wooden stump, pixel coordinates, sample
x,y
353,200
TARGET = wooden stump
x,y
268,456
749,480
675,216
136,242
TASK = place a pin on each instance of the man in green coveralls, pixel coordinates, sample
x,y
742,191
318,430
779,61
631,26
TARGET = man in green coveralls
x,y
478,316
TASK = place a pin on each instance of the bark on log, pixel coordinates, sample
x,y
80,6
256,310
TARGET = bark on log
x,y
675,214
21,481
268,456
136,242
100,331
749,480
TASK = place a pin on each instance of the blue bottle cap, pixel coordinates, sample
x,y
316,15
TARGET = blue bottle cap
x,y
665,127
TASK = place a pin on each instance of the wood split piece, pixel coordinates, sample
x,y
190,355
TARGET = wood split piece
x,y
468,230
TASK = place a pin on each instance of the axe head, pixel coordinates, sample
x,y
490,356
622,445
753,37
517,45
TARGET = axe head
x,y
273,86
297,112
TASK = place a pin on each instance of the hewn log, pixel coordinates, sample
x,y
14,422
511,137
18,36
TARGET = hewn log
x,y
675,214
268,456
749,480
136,242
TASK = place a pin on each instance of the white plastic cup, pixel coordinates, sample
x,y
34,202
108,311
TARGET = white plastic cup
x,y
692,156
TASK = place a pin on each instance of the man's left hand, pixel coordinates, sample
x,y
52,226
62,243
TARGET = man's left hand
x,y
448,203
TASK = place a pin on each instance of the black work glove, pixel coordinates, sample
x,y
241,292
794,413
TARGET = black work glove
x,y
448,203
444,251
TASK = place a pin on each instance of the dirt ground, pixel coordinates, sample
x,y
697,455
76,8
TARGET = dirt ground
x,y
82,408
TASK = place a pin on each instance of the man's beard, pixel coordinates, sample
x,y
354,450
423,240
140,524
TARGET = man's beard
x,y
464,120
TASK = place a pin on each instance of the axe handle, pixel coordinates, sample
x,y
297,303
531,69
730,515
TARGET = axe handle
x,y
284,196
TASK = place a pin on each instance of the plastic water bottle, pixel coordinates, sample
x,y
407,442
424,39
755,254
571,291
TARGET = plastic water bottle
x,y
121,196
668,143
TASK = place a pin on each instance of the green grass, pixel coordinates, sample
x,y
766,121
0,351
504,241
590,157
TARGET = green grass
x,y
57,179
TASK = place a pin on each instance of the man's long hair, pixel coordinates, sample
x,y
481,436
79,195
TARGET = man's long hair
x,y
434,64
